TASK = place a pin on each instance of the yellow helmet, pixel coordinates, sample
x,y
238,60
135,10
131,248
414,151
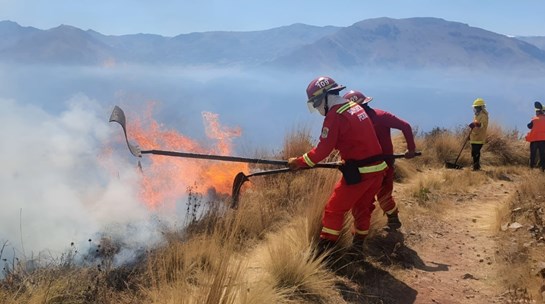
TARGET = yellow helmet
x,y
479,102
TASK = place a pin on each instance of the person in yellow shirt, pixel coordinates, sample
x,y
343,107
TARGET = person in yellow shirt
x,y
478,127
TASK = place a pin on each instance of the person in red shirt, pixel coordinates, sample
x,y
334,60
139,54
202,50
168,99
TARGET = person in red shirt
x,y
536,137
348,129
383,122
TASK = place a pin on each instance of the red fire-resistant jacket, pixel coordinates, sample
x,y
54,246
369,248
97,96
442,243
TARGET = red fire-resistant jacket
x,y
537,132
347,128
384,122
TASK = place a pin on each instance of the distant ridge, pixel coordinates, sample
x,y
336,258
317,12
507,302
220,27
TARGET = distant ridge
x,y
538,41
381,42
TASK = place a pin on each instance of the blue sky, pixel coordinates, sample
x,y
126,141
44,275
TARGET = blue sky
x,y
171,17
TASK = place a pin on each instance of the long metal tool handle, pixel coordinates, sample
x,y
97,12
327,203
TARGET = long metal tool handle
x,y
463,146
248,160
231,158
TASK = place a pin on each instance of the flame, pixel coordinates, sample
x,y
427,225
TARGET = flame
x,y
167,179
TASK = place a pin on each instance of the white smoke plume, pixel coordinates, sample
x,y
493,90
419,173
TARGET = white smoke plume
x,y
57,186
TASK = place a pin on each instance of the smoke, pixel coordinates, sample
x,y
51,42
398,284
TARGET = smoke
x,y
59,183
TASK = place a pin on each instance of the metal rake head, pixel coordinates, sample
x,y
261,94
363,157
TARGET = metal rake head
x,y
119,116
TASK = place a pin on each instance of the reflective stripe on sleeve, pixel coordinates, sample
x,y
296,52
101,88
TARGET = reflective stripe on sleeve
x,y
375,168
307,160
330,231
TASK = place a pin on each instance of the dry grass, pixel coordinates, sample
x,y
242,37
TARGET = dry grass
x,y
522,249
262,252
201,271
502,147
294,270
63,284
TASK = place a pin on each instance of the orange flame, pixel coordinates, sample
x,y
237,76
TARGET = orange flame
x,y
166,179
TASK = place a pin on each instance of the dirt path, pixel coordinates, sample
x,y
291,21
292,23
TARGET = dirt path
x,y
448,254
453,251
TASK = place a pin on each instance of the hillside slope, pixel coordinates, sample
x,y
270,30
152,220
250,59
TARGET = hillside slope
x,y
448,251
467,237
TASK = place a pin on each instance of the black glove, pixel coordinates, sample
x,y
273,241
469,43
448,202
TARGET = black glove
x,y
472,125
410,154
293,164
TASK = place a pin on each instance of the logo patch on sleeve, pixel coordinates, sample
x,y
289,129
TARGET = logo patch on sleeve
x,y
325,131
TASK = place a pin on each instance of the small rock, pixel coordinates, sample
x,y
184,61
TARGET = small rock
x,y
540,269
468,276
526,245
515,226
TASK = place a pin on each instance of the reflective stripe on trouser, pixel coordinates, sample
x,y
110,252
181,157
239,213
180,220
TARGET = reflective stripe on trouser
x,y
384,195
359,198
360,234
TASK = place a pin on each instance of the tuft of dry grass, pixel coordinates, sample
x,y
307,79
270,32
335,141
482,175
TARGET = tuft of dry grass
x,y
440,145
297,141
503,148
54,284
293,268
202,276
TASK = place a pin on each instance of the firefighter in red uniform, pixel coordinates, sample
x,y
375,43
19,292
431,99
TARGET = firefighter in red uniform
x,y
348,129
536,137
383,122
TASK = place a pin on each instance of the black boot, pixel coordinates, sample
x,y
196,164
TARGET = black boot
x,y
358,245
393,221
476,164
325,246
355,254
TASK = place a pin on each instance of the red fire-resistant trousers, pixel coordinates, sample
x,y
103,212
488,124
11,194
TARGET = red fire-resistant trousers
x,y
359,198
384,195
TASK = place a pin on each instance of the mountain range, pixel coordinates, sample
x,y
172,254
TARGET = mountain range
x,y
373,43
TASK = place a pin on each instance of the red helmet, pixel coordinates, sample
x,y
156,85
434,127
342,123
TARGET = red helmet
x,y
357,96
318,87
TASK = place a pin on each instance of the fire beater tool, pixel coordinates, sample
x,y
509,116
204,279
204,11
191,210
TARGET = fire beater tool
x,y
119,116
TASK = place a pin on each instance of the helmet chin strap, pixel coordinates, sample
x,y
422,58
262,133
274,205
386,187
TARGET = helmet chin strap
x,y
326,105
